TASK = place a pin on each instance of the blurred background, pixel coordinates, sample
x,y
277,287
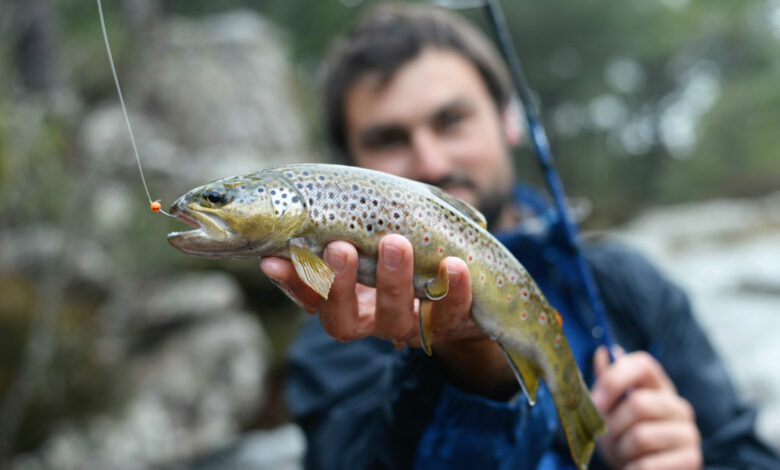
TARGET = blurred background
x,y
117,351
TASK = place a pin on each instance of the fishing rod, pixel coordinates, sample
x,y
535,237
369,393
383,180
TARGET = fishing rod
x,y
541,144
544,155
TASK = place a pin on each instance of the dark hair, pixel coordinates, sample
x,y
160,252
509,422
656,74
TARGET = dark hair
x,y
388,36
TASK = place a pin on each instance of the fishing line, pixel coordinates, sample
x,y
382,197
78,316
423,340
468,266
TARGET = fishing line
x,y
156,205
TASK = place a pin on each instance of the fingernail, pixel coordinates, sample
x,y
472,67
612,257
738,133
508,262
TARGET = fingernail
x,y
391,256
453,277
336,260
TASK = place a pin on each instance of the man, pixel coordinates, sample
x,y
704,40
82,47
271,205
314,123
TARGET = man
x,y
418,93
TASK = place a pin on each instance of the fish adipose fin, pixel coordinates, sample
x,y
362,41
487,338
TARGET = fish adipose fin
x,y
525,371
312,269
465,208
581,426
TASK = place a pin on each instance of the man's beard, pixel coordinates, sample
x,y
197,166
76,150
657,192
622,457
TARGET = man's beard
x,y
490,202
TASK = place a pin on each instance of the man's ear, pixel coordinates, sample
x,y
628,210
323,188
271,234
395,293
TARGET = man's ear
x,y
512,120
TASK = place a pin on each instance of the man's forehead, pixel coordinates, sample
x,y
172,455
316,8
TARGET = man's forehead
x,y
433,79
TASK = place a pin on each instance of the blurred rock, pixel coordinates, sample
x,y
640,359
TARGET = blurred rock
x,y
215,97
279,449
190,295
189,395
726,256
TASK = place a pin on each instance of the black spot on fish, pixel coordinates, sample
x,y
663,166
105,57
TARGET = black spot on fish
x,y
352,226
375,202
380,222
295,199
322,178
316,212
305,173
261,190
397,194
354,187
276,202
311,201
362,200
289,175
309,186
352,206
396,215
243,186
273,192
331,216
300,186
331,195
284,195
369,227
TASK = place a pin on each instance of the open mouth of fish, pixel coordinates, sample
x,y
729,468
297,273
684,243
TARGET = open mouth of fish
x,y
207,230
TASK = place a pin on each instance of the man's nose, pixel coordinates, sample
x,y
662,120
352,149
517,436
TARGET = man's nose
x,y
430,157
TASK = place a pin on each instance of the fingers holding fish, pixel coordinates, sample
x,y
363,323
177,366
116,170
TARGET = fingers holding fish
x,y
340,314
394,317
450,319
631,371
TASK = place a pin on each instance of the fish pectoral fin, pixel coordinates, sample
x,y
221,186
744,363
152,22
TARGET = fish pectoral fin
x,y
425,326
525,371
312,269
437,288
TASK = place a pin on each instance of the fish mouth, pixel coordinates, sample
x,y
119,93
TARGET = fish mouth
x,y
210,237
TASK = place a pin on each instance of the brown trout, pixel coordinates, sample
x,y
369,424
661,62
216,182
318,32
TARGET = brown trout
x,y
295,211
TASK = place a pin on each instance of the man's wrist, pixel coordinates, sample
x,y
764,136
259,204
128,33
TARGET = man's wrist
x,y
477,366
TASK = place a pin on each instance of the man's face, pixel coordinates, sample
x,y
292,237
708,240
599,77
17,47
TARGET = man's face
x,y
433,121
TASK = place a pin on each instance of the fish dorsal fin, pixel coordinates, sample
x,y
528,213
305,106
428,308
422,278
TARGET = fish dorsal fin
x,y
465,208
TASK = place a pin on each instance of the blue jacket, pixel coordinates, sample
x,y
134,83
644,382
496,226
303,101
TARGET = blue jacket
x,y
364,405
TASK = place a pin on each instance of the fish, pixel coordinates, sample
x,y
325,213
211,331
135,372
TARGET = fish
x,y
294,211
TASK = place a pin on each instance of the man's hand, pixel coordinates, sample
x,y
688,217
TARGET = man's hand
x,y
649,426
389,311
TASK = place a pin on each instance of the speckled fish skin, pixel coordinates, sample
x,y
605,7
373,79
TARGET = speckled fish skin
x,y
275,211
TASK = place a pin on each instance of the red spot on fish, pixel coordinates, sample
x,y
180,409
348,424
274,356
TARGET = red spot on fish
x,y
543,318
441,250
508,298
524,315
558,317
481,277
470,259
557,340
524,293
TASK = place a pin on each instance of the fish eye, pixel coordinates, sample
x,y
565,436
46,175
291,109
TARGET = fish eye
x,y
214,196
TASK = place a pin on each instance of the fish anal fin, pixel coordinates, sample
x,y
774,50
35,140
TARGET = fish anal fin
x,y
525,371
312,269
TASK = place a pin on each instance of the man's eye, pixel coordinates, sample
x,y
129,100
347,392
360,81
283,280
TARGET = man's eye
x,y
384,140
449,119
214,196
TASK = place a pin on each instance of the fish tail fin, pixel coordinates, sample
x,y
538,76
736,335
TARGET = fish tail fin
x,y
581,425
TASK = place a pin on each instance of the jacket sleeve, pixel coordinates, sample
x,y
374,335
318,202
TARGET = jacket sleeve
x,y
647,312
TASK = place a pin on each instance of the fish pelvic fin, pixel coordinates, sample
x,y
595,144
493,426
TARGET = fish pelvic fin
x,y
526,372
581,425
312,269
